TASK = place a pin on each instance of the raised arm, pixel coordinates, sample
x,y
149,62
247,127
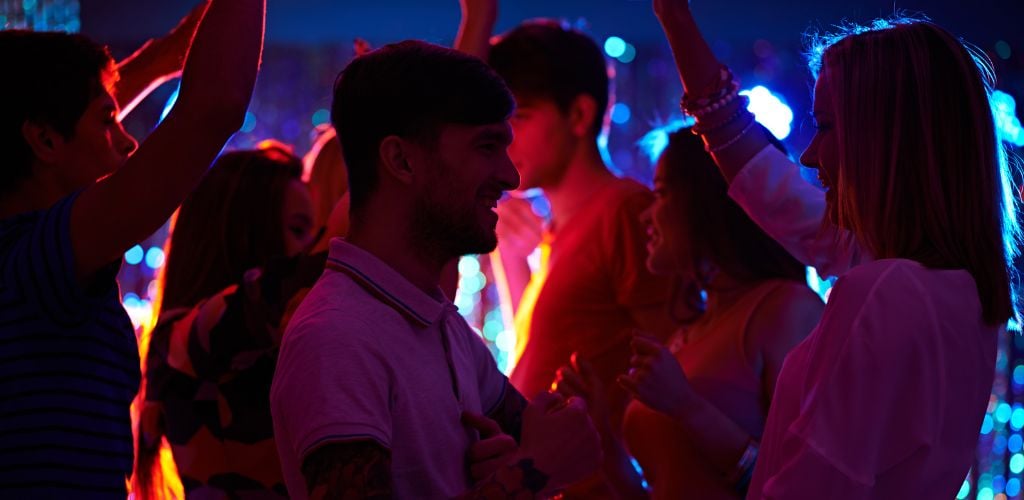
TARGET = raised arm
x,y
701,74
217,83
155,62
476,27
765,182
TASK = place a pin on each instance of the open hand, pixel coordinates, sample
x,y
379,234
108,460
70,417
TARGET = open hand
x,y
519,229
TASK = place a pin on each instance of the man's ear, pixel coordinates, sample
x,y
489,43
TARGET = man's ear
x,y
42,139
394,157
582,114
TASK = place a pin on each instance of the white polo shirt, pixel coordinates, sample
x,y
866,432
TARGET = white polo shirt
x,y
370,356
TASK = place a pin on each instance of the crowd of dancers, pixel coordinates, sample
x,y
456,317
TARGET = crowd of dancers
x,y
307,345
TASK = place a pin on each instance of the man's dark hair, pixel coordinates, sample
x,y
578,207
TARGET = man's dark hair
x,y
51,78
409,89
543,60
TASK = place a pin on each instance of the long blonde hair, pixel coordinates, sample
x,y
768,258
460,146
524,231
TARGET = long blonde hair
x,y
921,173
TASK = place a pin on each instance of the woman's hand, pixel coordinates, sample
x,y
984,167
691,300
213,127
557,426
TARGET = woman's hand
x,y
656,379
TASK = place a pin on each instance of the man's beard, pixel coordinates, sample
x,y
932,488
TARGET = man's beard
x,y
445,231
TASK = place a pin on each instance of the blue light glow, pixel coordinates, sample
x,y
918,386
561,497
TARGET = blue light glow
x,y
654,142
1003,413
1013,487
321,117
1018,375
468,265
250,122
1015,443
1003,49
1017,463
1017,419
965,489
621,113
628,55
155,258
986,424
614,46
770,110
1004,109
134,255
170,103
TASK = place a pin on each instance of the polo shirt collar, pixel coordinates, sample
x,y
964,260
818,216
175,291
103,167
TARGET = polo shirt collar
x,y
384,283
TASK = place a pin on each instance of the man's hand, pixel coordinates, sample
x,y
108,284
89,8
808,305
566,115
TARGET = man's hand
x,y
494,450
519,229
156,61
560,439
580,379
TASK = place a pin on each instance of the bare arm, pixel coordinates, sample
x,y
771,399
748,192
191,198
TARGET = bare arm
x,y
476,27
698,67
355,469
362,469
217,83
156,62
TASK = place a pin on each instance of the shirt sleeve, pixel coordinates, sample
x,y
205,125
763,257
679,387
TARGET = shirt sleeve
x,y
772,192
42,262
866,407
333,383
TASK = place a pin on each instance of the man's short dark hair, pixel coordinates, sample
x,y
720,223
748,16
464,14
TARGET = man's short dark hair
x,y
409,89
543,60
50,78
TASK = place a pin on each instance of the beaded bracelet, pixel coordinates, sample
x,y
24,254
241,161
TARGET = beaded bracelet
x,y
715,91
730,142
701,129
705,106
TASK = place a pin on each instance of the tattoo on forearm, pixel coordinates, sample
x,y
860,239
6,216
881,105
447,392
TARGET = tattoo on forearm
x,y
509,413
518,480
357,469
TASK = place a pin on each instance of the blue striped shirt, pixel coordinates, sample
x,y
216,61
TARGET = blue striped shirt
x,y
69,367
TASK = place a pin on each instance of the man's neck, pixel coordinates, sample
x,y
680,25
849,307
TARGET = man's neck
x,y
391,245
584,176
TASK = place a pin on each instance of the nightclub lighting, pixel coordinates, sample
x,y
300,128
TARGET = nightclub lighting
x,y
250,122
615,47
1004,109
170,103
770,111
321,117
134,255
155,258
654,142
621,113
628,55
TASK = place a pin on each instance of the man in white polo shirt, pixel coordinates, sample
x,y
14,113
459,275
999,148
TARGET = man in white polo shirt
x,y
381,388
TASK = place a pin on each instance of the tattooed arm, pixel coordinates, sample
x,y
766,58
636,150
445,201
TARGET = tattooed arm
x,y
352,469
362,469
